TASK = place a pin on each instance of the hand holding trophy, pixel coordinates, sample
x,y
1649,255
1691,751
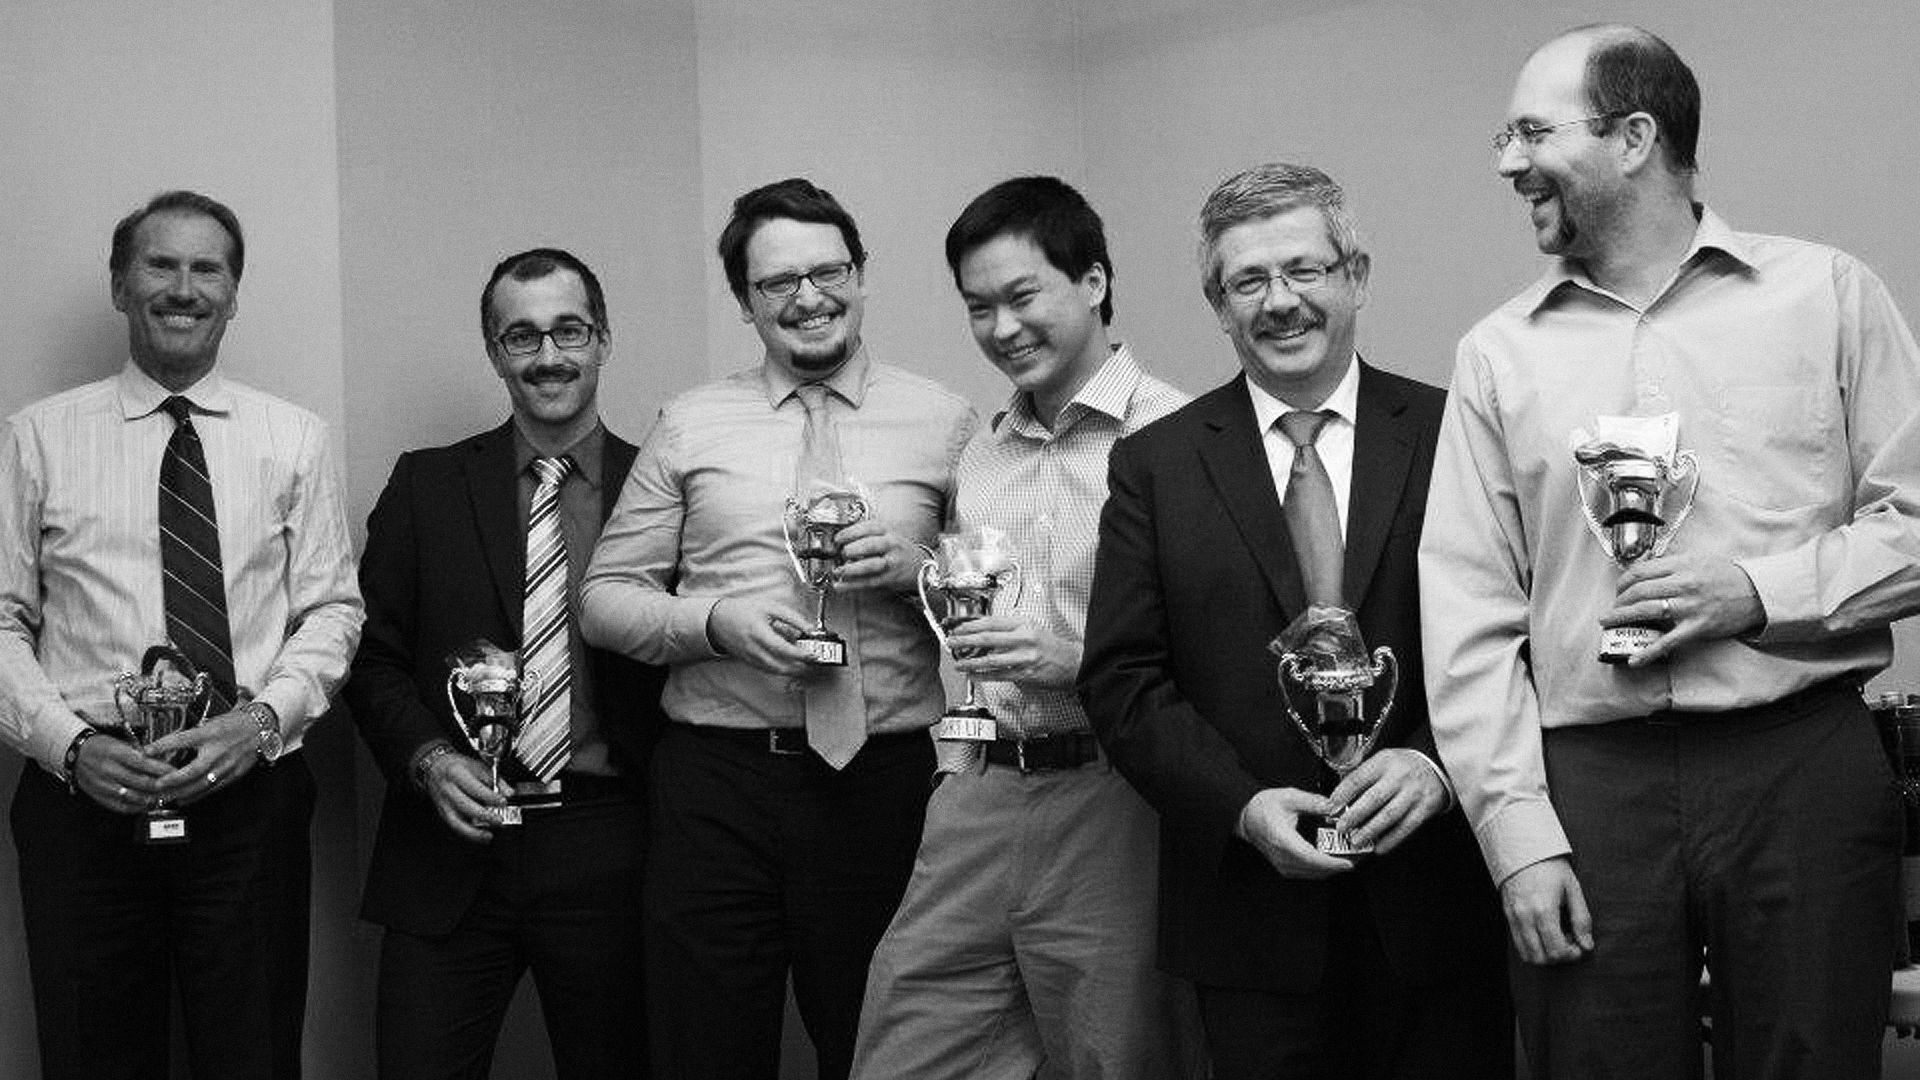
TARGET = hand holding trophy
x,y
812,527
969,570
1322,653
1636,487
491,679
165,696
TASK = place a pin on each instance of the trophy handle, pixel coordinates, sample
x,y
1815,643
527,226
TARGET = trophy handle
x,y
1386,667
786,533
927,569
203,693
530,679
1685,477
1289,673
1019,580
1589,492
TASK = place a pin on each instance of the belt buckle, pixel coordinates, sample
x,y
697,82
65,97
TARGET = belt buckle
x,y
773,744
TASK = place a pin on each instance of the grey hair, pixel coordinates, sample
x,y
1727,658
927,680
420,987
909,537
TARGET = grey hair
x,y
1262,192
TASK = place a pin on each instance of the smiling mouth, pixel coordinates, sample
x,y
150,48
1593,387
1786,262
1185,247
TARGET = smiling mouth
x,y
550,377
814,322
179,320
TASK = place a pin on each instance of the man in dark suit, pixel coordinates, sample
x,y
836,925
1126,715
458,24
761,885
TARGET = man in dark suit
x,y
1308,964
469,899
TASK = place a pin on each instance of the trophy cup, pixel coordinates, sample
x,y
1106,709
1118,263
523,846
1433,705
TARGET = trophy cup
x,y
971,568
1636,488
1322,653
165,696
491,678
812,529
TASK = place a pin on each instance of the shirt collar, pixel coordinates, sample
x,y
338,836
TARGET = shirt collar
x,y
141,396
586,453
849,381
1344,402
1108,392
1711,234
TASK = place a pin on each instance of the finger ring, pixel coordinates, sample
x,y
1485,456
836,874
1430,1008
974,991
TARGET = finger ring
x,y
120,792
1666,609
212,779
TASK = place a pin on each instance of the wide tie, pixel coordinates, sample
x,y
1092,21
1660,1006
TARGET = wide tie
x,y
836,712
193,590
545,740
1313,517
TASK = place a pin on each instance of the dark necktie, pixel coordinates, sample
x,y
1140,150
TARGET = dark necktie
x,y
836,711
1313,517
193,591
545,741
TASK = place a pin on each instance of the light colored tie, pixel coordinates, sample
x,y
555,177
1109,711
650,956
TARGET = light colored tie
x,y
836,710
1313,517
546,732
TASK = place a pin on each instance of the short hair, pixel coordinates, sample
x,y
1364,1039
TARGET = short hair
x,y
1263,192
793,198
534,265
1631,70
1045,210
178,202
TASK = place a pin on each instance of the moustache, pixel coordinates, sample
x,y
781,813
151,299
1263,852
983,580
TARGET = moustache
x,y
551,373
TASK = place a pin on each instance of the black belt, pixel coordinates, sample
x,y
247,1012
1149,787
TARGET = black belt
x,y
1068,750
789,741
1804,700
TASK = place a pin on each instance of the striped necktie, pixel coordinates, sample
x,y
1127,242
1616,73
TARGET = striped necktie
x,y
193,591
545,734
1313,517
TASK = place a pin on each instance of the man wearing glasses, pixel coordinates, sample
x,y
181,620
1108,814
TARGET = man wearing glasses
x,y
1295,489
1721,789
486,539
789,792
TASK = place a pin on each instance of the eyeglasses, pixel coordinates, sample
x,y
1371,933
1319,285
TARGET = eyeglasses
x,y
829,276
1532,135
525,340
1253,286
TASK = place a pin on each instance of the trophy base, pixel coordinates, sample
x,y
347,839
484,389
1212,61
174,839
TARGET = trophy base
x,y
163,827
1330,839
1618,644
964,723
824,649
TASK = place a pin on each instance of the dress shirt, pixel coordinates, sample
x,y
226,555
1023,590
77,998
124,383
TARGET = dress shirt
x,y
1044,489
579,528
80,595
1797,386
699,519
1334,445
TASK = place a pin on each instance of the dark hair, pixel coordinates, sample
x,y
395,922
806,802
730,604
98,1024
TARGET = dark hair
x,y
792,198
1045,210
178,202
534,265
1631,70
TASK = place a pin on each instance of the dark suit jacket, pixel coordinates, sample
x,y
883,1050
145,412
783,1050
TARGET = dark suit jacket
x,y
1195,575
444,564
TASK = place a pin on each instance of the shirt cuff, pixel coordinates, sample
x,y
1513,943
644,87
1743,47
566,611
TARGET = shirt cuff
x,y
1522,833
1789,600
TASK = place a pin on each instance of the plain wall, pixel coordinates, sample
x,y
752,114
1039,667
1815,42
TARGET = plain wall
x,y
384,155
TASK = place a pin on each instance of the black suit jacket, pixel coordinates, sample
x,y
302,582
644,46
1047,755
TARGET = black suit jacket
x,y
1196,574
444,564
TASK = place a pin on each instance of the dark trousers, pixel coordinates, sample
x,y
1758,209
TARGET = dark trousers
x,y
1363,1022
1767,839
561,899
114,927
765,865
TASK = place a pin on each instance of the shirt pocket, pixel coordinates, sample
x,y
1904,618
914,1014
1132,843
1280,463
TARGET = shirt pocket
x,y
1779,447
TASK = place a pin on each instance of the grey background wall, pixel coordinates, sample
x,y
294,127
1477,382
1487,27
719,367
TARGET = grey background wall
x,y
384,153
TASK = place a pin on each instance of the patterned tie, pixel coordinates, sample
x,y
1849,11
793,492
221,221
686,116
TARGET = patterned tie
x,y
836,711
546,733
193,591
1313,517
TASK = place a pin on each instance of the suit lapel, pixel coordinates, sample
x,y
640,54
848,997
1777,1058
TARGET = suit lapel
x,y
616,461
1382,451
1236,462
495,498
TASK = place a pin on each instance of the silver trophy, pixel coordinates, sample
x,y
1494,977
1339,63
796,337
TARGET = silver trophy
x,y
970,569
1635,490
166,695
491,679
1322,653
812,530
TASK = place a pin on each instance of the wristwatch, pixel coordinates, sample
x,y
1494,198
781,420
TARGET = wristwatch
x,y
269,745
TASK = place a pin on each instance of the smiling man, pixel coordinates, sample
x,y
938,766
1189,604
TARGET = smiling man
x,y
1722,790
169,504
487,539
789,793
1222,528
1032,905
